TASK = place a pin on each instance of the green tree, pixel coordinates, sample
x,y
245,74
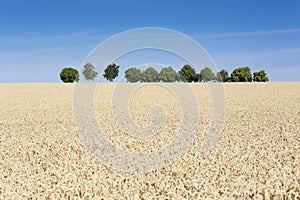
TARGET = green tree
x,y
241,74
260,76
89,72
187,73
133,75
207,74
111,72
69,75
150,75
222,75
198,78
167,74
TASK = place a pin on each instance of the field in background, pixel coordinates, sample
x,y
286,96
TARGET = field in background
x,y
257,155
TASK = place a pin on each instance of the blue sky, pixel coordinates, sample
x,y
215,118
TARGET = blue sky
x,y
39,38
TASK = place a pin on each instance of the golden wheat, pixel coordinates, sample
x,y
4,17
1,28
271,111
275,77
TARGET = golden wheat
x,y
257,155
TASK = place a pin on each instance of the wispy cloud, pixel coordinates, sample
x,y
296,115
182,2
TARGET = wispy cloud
x,y
243,34
37,37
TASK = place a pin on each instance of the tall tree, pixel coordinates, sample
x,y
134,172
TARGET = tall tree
x,y
89,72
207,74
187,73
133,75
69,75
241,74
150,75
260,76
222,75
111,72
167,74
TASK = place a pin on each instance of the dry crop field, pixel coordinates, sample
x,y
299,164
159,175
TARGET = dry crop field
x,y
257,155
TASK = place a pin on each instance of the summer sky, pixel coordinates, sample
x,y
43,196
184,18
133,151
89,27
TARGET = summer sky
x,y
39,38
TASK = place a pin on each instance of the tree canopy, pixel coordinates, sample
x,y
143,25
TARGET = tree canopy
x,y
150,75
207,74
241,74
69,75
222,75
187,73
133,75
89,72
111,72
260,76
167,74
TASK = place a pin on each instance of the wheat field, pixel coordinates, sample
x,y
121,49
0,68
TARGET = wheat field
x,y
257,155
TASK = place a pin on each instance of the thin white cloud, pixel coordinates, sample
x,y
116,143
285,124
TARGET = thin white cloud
x,y
243,34
35,36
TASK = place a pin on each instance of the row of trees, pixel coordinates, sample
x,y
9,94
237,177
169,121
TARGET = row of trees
x,y
166,74
69,75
